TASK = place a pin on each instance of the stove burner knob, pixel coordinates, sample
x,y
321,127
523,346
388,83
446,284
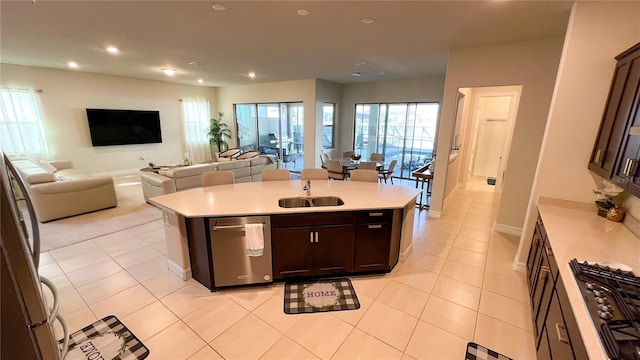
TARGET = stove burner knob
x,y
606,308
602,300
598,293
590,286
605,315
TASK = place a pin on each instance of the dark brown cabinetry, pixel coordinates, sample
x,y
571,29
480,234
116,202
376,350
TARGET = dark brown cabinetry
x,y
616,150
373,235
555,329
312,244
320,244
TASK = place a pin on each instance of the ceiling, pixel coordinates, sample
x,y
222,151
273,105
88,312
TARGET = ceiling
x,y
407,39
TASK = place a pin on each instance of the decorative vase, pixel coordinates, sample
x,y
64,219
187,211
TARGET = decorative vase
x,y
616,213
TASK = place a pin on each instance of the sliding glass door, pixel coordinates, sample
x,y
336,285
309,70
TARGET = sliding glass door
x,y
401,131
272,128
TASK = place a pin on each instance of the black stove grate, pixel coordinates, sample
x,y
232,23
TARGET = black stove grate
x,y
620,335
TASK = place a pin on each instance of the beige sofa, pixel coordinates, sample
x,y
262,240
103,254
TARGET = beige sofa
x,y
188,177
57,190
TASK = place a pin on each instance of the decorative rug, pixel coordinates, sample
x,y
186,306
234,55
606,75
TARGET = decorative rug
x,y
320,295
132,211
479,352
107,338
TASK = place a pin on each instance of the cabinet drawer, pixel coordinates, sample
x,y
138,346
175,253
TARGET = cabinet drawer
x,y
295,220
374,216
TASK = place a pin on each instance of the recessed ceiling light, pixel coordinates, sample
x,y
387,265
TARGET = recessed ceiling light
x,y
169,71
192,63
72,64
356,74
252,75
218,7
200,81
365,63
381,73
112,50
366,21
303,12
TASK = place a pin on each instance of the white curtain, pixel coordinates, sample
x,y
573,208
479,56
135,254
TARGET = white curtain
x,y
196,114
21,130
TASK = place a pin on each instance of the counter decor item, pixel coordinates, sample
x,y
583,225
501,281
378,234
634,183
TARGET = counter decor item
x,y
605,199
616,213
356,157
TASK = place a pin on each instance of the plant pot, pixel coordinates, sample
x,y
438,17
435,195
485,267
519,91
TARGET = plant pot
x,y
616,213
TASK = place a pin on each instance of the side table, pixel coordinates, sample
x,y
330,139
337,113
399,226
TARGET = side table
x,y
423,175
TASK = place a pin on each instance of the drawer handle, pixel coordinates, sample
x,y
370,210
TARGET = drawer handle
x,y
376,214
536,240
544,272
598,156
377,226
560,337
549,251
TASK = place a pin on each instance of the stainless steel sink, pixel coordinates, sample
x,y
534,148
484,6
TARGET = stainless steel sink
x,y
327,201
310,201
295,202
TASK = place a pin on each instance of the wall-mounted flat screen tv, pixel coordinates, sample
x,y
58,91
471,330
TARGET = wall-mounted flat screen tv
x,y
123,127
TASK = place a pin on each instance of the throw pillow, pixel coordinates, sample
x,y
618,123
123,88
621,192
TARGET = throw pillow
x,y
248,155
47,167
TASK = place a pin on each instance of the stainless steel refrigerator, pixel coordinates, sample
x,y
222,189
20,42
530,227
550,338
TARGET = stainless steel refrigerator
x,y
26,320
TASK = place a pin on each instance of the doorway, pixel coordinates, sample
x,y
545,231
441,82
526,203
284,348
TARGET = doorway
x,y
492,118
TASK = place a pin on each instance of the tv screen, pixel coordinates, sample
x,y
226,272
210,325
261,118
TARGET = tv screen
x,y
123,127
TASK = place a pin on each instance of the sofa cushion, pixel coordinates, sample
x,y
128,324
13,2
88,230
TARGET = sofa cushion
x,y
39,177
47,167
70,174
186,171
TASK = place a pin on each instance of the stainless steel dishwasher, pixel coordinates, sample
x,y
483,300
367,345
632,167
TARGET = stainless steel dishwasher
x,y
232,264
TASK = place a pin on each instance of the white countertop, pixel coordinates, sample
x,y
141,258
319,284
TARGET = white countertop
x,y
261,198
585,236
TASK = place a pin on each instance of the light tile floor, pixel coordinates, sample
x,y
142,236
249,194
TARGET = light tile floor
x,y
457,286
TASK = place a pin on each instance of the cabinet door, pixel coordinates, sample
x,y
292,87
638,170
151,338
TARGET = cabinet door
x,y
292,250
542,350
613,126
558,337
627,164
533,261
373,242
333,249
543,287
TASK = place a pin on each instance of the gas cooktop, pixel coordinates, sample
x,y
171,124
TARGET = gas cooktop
x,y
612,297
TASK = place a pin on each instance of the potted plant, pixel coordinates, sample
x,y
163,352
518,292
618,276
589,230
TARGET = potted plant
x,y
218,133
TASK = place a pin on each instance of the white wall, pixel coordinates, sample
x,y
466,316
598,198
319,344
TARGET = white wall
x,y
598,31
532,64
417,90
66,94
285,91
328,92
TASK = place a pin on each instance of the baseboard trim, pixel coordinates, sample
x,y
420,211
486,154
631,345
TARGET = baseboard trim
x,y
184,274
434,214
519,267
405,254
507,229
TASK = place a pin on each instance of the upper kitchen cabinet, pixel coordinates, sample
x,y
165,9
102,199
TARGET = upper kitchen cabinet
x,y
613,141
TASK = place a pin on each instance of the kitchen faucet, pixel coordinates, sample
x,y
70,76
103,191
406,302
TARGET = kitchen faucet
x,y
308,187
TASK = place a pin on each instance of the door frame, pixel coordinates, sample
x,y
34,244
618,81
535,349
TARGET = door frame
x,y
514,91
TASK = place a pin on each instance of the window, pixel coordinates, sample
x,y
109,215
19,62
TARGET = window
x,y
21,130
272,128
195,116
328,124
402,131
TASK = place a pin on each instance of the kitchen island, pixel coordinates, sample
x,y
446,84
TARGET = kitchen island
x,y
573,230
182,209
